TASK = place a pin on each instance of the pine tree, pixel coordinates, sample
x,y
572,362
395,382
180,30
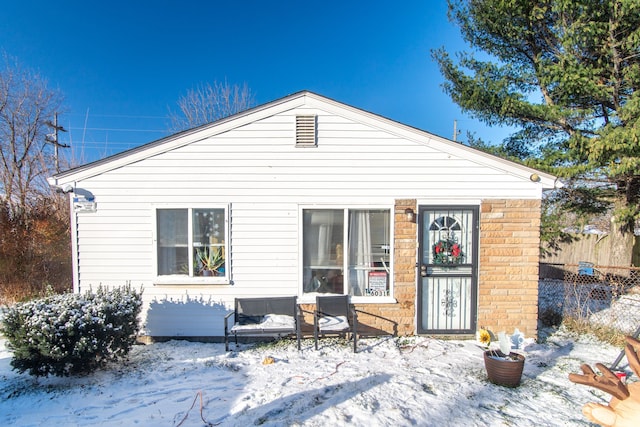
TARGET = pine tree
x,y
565,74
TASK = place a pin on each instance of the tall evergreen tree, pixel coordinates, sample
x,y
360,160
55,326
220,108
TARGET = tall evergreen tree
x,y
565,74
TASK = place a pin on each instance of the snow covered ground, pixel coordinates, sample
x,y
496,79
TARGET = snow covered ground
x,y
389,382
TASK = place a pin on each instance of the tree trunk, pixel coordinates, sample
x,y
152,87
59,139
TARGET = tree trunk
x,y
621,244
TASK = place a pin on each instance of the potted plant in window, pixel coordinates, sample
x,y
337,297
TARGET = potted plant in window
x,y
211,260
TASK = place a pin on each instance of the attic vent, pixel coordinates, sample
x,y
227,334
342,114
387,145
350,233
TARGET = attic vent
x,y
305,131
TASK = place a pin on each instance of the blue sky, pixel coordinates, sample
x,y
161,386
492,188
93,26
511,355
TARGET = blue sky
x,y
122,65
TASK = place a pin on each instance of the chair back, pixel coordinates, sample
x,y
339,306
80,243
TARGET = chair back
x,y
333,305
257,307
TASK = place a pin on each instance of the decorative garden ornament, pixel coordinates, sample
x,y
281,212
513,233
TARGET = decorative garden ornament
x,y
517,339
504,342
624,408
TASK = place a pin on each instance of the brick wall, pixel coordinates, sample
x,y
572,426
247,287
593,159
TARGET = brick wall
x,y
509,255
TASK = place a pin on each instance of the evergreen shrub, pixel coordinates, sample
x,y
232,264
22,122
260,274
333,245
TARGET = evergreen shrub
x,y
72,334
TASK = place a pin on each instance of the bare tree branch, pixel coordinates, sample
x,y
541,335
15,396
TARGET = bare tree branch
x,y
26,103
210,102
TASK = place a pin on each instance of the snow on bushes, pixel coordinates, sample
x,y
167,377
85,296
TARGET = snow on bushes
x,y
72,334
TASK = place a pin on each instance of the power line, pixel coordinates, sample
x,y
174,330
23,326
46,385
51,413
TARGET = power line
x,y
120,130
99,144
123,116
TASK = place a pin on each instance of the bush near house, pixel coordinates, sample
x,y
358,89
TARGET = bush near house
x,y
72,334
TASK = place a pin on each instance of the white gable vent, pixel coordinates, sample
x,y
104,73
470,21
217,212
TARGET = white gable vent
x,y
306,131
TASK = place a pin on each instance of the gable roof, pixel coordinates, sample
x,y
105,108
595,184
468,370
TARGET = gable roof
x,y
302,98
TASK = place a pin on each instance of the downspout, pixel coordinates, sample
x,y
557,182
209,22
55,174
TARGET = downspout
x,y
73,218
69,189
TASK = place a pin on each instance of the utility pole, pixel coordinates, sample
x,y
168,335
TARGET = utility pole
x,y
52,138
455,130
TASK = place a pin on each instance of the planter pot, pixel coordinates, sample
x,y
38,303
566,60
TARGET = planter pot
x,y
502,370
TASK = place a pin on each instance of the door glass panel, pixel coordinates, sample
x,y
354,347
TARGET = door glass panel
x,y
446,303
447,238
448,285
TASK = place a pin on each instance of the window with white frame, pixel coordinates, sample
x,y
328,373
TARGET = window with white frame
x,y
191,242
347,251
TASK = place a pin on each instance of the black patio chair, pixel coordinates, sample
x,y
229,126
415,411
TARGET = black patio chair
x,y
334,315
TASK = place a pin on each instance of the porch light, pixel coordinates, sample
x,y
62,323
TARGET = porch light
x,y
411,215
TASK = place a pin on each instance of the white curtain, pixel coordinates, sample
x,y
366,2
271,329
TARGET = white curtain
x,y
172,240
320,236
318,240
360,256
325,231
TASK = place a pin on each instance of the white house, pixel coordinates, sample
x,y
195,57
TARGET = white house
x,y
306,195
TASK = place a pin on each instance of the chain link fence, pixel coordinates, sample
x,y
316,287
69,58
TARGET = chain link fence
x,y
603,299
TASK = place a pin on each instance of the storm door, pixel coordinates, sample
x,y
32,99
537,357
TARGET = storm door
x,y
447,266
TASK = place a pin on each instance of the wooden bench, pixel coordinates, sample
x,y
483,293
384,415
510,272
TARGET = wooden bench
x,y
268,316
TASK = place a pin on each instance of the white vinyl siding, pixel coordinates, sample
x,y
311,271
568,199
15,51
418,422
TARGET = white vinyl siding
x,y
257,171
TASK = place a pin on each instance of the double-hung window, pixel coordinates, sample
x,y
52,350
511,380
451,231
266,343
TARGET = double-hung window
x,y
192,242
347,251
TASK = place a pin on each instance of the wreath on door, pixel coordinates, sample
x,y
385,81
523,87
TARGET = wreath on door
x,y
447,252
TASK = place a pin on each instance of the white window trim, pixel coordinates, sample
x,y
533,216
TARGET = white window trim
x,y
181,279
310,298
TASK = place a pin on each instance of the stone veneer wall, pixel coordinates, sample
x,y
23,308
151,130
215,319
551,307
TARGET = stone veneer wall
x,y
509,256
